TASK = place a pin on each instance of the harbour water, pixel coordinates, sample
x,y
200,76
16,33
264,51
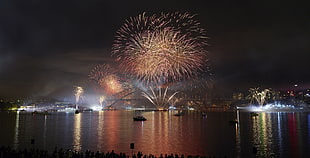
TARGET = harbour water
x,y
276,134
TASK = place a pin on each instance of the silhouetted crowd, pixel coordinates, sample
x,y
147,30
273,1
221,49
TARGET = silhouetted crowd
x,y
7,152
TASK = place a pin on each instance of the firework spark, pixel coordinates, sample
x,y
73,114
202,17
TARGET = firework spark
x,y
259,96
105,76
100,71
164,48
161,99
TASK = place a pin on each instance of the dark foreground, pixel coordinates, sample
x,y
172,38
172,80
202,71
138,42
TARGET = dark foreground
x,y
7,152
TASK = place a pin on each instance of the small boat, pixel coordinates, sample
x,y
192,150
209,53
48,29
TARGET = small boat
x,y
233,121
179,114
88,110
40,113
253,114
67,110
139,118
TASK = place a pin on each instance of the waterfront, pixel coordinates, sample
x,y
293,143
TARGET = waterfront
x,y
284,134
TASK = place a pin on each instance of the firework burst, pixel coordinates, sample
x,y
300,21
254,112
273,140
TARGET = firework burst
x,y
160,49
105,76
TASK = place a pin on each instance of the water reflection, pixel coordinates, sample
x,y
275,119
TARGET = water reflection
x,y
100,129
77,132
113,132
162,131
279,128
280,135
262,136
44,132
292,133
308,128
272,134
16,131
237,130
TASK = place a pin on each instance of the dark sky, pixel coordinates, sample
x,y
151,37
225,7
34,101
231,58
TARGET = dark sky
x,y
47,47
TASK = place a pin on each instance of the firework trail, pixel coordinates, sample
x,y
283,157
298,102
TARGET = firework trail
x,y
105,76
158,49
161,99
101,99
78,91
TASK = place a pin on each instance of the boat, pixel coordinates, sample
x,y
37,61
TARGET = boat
x,y
40,113
253,114
139,118
234,121
67,110
179,114
88,110
77,111
204,115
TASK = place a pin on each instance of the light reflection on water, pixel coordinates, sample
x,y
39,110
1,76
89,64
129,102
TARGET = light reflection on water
x,y
16,130
238,140
308,127
279,120
100,129
281,135
77,133
262,135
271,134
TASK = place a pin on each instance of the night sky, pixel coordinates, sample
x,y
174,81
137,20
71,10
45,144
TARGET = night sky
x,y
47,47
